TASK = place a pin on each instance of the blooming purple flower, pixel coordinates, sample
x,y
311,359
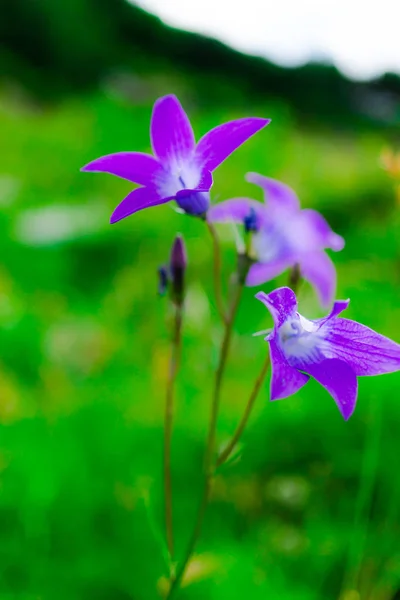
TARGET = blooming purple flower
x,y
333,350
180,169
283,236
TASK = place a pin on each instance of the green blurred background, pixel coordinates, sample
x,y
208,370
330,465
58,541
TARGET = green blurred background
x,y
311,509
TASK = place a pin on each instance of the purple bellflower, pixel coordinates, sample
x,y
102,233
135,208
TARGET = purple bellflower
x,y
333,350
180,169
283,236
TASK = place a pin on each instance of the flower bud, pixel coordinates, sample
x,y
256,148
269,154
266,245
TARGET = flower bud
x,y
178,263
250,221
178,254
163,280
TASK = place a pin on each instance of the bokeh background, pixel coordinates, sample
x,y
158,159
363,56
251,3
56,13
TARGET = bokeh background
x,y
311,509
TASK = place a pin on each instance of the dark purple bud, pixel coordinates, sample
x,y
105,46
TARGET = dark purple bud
x,y
178,254
250,221
178,263
163,280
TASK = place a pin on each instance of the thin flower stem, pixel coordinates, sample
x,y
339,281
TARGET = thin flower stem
x,y
217,272
295,278
223,457
294,282
357,541
209,466
168,421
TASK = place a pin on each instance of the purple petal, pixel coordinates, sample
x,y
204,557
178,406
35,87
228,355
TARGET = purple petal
x,y
259,273
285,380
365,350
171,133
236,209
338,307
281,303
339,379
279,197
135,166
319,270
325,238
137,200
206,181
216,145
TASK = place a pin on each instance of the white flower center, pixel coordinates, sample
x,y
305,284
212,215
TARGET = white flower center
x,y
299,339
266,245
184,175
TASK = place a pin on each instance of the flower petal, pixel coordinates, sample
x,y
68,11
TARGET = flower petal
x,y
236,209
319,270
338,307
339,379
171,133
135,166
137,200
365,350
285,380
216,145
259,273
279,196
315,223
206,181
281,303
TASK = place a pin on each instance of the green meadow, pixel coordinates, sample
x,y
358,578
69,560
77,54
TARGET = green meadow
x,y
310,509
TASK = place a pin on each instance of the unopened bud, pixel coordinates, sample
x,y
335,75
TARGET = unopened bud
x,y
162,280
178,263
250,221
178,254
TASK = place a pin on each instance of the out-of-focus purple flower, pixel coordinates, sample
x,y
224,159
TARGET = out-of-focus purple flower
x,y
284,236
180,169
333,350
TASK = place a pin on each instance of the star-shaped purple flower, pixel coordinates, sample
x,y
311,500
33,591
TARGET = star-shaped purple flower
x,y
180,169
283,236
333,350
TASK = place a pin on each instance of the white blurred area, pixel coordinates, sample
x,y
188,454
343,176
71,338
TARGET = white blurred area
x,y
360,37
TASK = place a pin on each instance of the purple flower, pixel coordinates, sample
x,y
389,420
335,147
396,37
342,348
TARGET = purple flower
x,y
333,350
180,169
284,235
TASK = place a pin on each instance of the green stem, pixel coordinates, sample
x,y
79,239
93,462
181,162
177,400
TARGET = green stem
x,y
225,454
294,282
210,446
295,278
217,268
168,421
364,498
